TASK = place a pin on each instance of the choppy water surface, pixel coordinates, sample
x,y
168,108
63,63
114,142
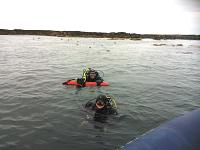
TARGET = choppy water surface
x,y
151,84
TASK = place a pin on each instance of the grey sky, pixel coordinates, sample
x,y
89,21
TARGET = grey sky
x,y
134,16
190,5
193,6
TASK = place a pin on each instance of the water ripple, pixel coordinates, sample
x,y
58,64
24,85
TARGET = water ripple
x,y
151,85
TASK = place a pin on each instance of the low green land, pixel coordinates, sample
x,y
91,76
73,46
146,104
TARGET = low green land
x,y
112,35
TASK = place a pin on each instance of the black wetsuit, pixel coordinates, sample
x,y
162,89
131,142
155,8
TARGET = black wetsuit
x,y
97,79
105,110
101,114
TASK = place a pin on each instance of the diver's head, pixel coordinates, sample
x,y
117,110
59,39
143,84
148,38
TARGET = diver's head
x,y
93,74
102,101
100,104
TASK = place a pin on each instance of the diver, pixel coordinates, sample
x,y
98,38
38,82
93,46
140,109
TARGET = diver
x,y
90,75
103,106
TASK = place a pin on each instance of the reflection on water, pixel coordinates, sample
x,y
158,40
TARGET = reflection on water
x,y
151,84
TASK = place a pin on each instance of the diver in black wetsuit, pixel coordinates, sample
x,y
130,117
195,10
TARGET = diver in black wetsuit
x,y
90,75
103,106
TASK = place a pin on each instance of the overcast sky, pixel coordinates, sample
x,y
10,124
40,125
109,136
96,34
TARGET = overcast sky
x,y
134,16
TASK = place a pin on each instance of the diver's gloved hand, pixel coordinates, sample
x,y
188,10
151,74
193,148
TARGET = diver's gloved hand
x,y
88,104
80,81
98,82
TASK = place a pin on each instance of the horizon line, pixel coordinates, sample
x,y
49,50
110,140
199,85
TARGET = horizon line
x,y
99,32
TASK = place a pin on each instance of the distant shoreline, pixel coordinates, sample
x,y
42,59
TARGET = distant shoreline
x,y
112,35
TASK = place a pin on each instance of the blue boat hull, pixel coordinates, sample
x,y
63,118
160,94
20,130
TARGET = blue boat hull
x,y
181,133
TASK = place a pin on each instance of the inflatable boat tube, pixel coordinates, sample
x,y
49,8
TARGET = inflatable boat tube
x,y
181,133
